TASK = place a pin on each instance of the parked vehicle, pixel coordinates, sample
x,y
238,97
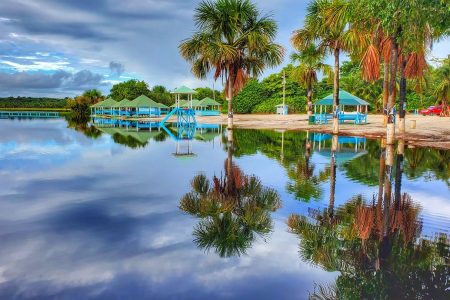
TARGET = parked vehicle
x,y
431,111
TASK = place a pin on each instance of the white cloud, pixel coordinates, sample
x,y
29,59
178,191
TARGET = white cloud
x,y
39,66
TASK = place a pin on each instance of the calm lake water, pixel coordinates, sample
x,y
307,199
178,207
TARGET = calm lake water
x,y
105,213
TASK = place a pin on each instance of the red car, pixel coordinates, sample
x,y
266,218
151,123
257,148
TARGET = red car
x,y
432,111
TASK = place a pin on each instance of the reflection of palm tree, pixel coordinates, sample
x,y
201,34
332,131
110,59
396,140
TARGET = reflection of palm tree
x,y
306,185
376,259
81,124
234,209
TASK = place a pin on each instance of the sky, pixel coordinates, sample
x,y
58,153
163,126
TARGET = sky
x,y
60,48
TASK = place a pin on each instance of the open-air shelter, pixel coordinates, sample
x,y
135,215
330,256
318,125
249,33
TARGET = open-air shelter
x,y
183,91
104,107
322,114
209,107
121,108
144,106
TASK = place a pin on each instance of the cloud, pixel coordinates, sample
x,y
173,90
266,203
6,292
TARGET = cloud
x,y
37,65
116,68
141,35
60,80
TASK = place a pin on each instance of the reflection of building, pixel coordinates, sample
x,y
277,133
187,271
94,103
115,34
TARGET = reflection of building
x,y
130,133
184,133
349,147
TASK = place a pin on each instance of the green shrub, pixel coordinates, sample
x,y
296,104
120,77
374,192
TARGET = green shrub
x,y
296,105
250,96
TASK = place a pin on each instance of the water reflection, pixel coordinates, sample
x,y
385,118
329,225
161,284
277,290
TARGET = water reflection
x,y
83,217
233,209
375,245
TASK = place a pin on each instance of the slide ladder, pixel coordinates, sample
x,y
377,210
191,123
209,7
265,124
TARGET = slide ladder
x,y
185,116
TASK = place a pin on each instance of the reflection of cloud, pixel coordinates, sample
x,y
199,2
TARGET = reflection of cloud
x,y
107,225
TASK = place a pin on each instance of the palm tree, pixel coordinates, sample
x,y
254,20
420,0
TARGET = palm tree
x,y
311,60
403,31
442,90
234,40
93,96
326,27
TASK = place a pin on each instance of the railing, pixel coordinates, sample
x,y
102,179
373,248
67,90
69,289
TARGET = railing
x,y
28,114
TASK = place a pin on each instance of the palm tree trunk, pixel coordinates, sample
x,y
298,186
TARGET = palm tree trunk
x,y
309,97
385,92
387,199
230,106
332,182
390,131
336,92
380,174
402,104
399,173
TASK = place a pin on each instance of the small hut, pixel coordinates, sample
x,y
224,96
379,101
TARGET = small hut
x,y
144,106
121,108
346,100
183,91
105,107
209,107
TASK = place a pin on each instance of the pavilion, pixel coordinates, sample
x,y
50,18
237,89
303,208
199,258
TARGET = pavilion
x,y
144,106
345,100
209,107
183,91
104,107
121,108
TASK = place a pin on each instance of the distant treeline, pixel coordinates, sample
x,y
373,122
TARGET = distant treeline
x,y
30,102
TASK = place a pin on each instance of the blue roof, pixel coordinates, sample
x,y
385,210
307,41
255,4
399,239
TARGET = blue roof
x,y
345,98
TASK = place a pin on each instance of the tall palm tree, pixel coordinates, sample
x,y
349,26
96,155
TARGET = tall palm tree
x,y
405,30
442,90
235,40
325,26
311,60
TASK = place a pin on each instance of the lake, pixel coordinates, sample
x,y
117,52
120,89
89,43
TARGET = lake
x,y
99,212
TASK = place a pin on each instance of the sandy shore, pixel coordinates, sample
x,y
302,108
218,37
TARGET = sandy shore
x,y
430,131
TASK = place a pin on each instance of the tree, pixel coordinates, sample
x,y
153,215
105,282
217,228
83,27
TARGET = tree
x,y
93,96
204,92
328,30
160,94
234,40
404,30
442,90
130,89
310,61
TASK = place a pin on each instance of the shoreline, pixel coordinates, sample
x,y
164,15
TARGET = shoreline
x,y
431,131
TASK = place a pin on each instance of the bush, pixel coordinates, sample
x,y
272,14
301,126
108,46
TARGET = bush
x,y
250,96
296,105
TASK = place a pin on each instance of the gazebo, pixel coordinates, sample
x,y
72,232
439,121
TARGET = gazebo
x,y
121,108
209,107
345,99
144,106
183,90
185,114
104,107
